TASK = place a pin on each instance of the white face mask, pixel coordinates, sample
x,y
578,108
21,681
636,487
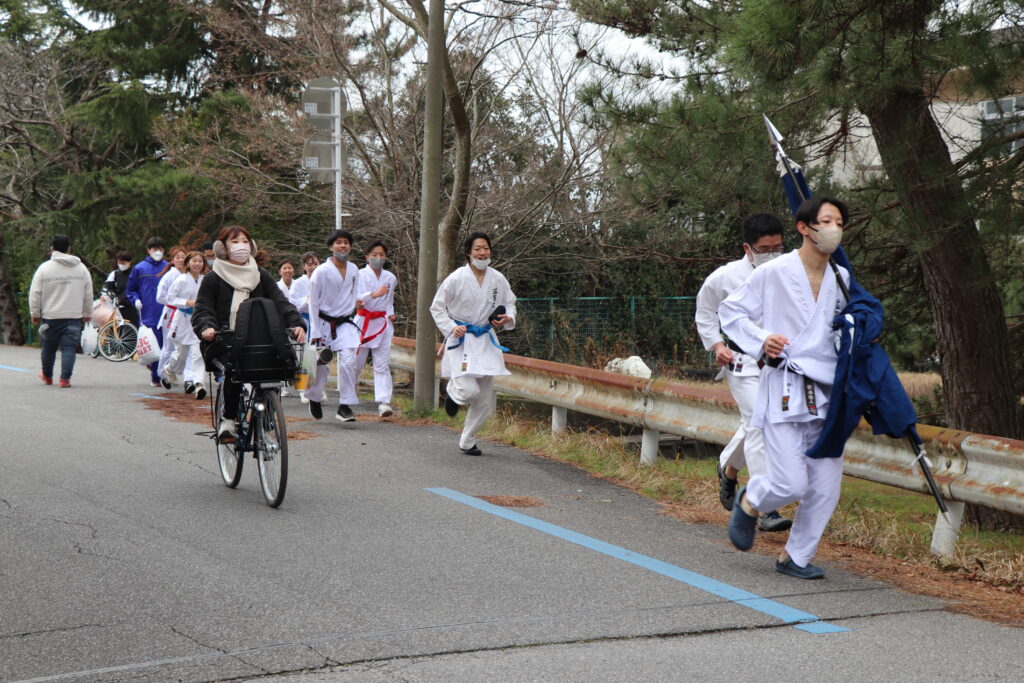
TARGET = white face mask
x,y
123,266
480,263
761,259
829,238
209,262
239,252
376,262
156,255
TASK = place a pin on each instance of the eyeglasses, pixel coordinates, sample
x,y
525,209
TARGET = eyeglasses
x,y
766,250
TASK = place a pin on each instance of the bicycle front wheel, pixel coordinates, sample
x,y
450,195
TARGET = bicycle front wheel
x,y
228,460
272,449
117,340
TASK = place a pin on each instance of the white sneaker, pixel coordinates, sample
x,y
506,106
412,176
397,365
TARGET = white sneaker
x,y
302,397
226,430
385,410
285,392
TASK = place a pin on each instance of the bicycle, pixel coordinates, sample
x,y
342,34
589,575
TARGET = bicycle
x,y
116,339
260,423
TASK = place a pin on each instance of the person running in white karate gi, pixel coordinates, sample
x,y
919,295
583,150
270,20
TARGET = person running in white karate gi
x,y
470,305
762,241
186,359
176,270
333,291
376,317
785,311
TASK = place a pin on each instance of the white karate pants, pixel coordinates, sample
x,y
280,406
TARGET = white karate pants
x,y
746,445
477,393
165,354
186,361
383,385
792,476
346,359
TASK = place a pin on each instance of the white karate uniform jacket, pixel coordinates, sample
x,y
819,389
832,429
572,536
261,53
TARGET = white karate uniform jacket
x,y
335,295
299,294
183,290
779,295
461,298
369,282
716,288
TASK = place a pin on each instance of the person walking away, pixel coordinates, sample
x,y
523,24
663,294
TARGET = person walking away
x,y
142,285
785,310
333,290
376,317
235,278
60,302
187,358
117,284
471,303
762,241
171,276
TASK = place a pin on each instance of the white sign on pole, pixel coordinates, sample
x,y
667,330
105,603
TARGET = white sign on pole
x,y
324,156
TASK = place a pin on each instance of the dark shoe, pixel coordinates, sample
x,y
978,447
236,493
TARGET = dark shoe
x,y
450,406
165,384
742,527
793,569
344,413
46,380
472,450
315,410
773,521
200,393
726,489
190,387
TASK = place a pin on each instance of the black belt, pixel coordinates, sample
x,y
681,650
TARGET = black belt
x,y
337,321
771,362
810,398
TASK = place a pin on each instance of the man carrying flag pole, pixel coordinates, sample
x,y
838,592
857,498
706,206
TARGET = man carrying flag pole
x,y
865,384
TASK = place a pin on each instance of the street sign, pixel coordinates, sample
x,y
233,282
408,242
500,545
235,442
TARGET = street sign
x,y
323,156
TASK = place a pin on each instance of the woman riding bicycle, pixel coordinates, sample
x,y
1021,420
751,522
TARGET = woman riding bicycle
x,y
235,278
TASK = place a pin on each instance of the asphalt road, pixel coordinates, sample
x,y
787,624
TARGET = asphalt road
x,y
123,556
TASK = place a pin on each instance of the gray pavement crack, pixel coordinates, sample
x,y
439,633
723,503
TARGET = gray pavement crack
x,y
42,632
234,655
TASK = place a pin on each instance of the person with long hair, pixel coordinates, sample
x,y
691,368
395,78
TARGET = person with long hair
x,y
186,358
175,270
235,278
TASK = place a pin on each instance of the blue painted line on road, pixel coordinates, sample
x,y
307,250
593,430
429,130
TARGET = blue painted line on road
x,y
11,367
155,398
788,615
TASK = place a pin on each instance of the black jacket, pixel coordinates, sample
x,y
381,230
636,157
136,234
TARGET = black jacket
x,y
213,303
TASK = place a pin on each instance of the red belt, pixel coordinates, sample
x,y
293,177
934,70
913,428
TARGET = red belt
x,y
367,317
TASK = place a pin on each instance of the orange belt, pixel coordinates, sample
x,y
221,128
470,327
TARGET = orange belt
x,y
367,317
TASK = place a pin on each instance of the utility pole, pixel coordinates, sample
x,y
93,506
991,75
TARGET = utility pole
x,y
424,393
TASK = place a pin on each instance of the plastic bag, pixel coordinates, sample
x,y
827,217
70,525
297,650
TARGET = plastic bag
x,y
148,350
90,337
102,311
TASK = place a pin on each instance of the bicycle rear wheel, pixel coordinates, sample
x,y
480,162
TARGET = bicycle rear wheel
x,y
117,340
272,448
228,461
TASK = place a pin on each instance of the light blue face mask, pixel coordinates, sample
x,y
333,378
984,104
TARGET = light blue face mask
x,y
376,262
339,256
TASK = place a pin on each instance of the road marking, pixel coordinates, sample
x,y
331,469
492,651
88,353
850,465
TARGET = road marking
x,y
11,367
788,615
155,398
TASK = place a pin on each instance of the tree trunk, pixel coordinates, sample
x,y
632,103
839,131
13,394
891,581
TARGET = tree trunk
x,y
970,328
11,331
451,225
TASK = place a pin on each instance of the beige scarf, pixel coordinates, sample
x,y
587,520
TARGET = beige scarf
x,y
243,279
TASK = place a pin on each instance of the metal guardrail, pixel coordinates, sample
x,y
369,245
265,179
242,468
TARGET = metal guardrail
x,y
969,468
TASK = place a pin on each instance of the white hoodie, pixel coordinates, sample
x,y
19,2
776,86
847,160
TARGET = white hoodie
x,y
61,288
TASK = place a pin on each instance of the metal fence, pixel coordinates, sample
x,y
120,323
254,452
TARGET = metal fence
x,y
588,330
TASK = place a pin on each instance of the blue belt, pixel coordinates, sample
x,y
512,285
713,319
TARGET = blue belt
x,y
478,331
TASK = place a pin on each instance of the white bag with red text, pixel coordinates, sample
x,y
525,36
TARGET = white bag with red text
x,y
148,350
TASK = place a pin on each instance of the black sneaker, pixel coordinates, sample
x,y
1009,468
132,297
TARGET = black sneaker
x,y
165,384
472,450
190,387
726,489
200,393
344,413
315,410
451,407
773,521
